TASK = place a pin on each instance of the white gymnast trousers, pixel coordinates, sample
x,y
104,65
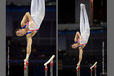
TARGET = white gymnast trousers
x,y
37,13
84,25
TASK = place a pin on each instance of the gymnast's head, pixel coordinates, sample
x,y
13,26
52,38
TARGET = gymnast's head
x,y
20,32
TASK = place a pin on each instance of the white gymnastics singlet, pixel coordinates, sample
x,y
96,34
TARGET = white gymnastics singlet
x,y
37,13
84,25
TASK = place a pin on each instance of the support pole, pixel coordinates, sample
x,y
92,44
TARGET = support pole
x,y
51,68
78,70
46,69
26,69
95,70
91,69
51,65
91,72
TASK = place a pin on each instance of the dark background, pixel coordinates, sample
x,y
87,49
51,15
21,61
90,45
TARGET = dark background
x,y
68,19
44,42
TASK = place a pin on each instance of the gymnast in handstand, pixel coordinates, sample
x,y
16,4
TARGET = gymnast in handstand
x,y
81,38
30,24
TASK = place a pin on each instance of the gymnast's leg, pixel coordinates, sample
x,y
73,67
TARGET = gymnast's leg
x,y
76,40
77,36
26,17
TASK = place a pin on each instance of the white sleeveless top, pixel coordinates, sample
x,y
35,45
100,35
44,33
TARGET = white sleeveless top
x,y
84,25
37,13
